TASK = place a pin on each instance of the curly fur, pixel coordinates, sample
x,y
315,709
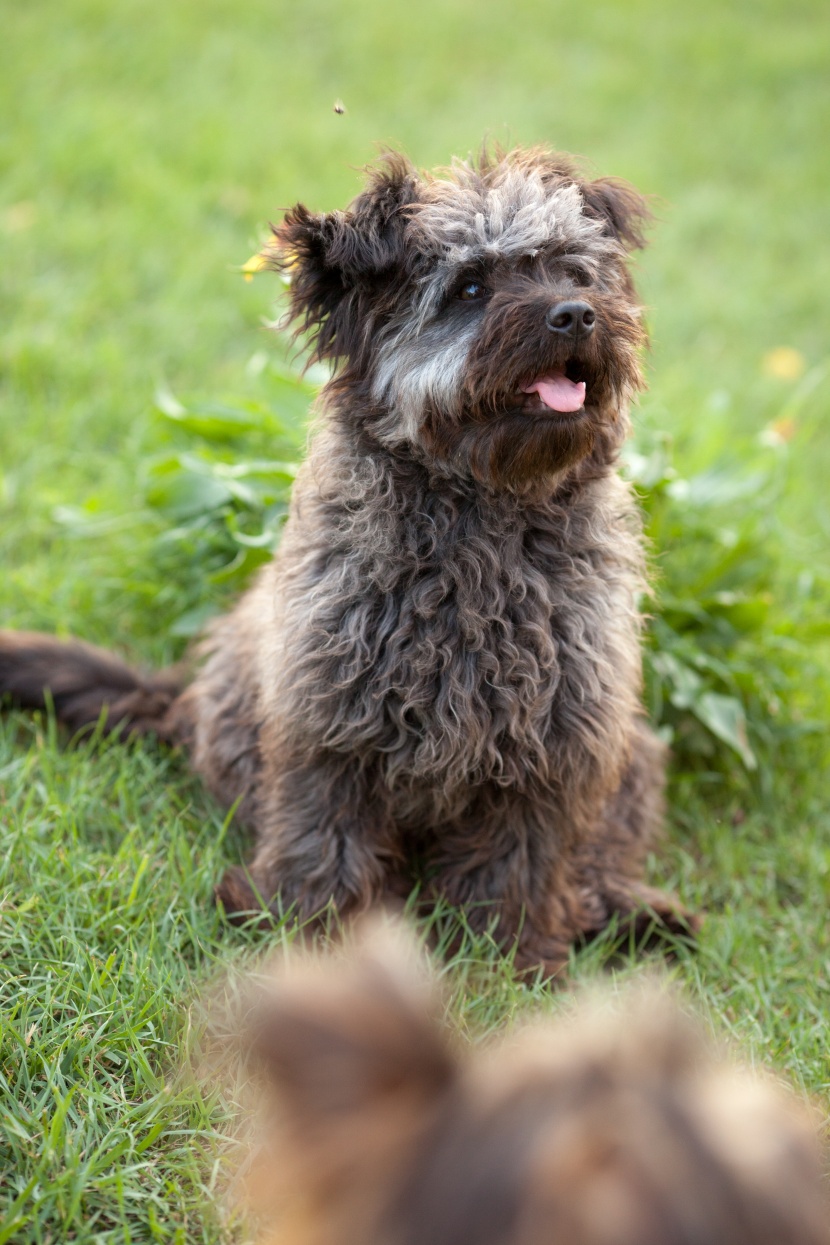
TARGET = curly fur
x,y
442,662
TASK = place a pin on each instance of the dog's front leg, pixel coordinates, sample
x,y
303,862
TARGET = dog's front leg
x,y
324,840
505,865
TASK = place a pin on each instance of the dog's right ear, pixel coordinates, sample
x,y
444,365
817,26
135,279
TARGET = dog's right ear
x,y
353,1044
623,212
333,259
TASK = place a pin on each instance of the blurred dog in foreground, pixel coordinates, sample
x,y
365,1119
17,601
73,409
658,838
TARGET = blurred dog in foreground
x,y
440,671
609,1128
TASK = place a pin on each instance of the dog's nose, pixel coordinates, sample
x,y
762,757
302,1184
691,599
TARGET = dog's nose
x,y
571,319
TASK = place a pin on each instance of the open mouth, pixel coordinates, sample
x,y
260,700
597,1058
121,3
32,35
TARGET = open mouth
x,y
562,391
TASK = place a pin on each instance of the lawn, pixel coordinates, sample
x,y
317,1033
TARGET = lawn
x,y
146,146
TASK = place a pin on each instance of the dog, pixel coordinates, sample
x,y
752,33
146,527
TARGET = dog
x,y
614,1126
439,674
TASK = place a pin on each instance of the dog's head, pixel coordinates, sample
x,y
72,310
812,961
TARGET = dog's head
x,y
483,316
613,1128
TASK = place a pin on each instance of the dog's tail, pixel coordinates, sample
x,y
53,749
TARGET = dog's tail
x,y
83,682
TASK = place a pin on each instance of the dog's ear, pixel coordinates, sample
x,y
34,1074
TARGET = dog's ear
x,y
358,1067
332,259
622,211
353,1044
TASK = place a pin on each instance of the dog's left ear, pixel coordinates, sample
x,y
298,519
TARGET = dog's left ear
x,y
623,212
356,1064
353,1039
334,258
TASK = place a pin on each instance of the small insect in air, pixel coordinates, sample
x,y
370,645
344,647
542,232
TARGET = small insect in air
x,y
339,107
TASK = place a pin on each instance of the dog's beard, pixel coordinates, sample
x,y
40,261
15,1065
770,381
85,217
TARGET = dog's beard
x,y
529,432
517,448
512,447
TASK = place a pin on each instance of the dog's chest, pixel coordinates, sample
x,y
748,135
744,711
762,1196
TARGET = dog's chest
x,y
460,657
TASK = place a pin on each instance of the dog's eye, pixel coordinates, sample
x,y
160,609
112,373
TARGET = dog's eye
x,y
472,290
579,275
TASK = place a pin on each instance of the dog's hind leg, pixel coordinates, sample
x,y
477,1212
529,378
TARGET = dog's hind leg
x,y
611,863
83,682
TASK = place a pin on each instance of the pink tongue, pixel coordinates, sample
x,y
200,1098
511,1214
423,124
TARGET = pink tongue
x,y
559,393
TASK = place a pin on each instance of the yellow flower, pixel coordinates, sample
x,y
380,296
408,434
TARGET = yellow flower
x,y
784,363
257,263
19,216
779,432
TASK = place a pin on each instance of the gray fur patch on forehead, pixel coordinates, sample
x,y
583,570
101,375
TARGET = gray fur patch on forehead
x,y
507,216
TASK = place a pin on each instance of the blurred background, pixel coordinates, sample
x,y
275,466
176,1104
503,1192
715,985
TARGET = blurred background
x,y
144,148
145,145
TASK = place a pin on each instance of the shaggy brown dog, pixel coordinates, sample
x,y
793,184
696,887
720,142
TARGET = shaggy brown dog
x,y
442,662
614,1127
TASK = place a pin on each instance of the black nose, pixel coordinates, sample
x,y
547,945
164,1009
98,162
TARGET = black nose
x,y
571,319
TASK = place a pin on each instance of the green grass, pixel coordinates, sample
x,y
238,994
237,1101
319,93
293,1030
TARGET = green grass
x,y
145,147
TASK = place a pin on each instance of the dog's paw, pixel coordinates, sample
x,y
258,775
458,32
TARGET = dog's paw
x,y
653,919
241,902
